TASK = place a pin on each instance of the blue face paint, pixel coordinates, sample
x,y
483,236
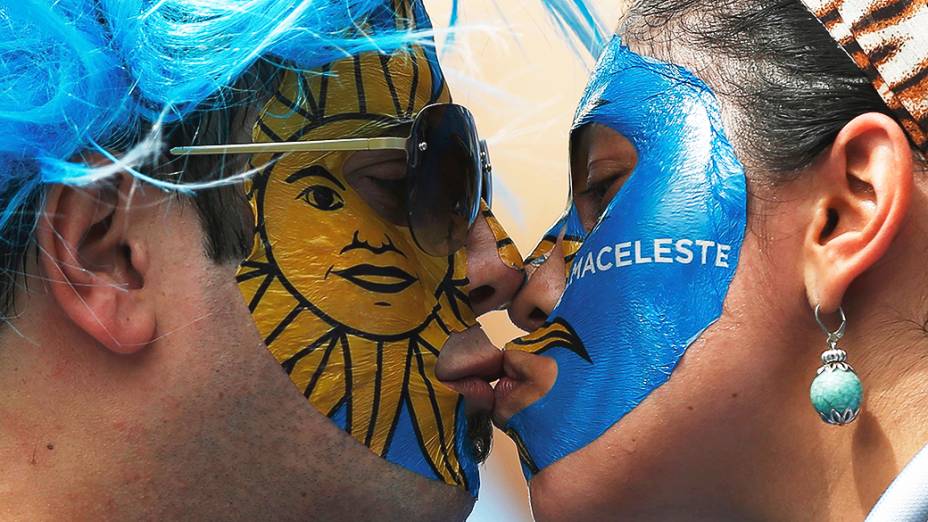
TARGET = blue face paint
x,y
653,274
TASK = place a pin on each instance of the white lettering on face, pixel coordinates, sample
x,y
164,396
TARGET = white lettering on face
x,y
639,260
683,249
630,253
621,253
575,269
599,259
662,250
705,247
588,266
721,256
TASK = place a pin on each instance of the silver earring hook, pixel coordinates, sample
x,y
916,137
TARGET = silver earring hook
x,y
833,336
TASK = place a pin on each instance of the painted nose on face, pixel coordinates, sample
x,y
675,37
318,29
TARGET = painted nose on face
x,y
542,289
494,267
375,242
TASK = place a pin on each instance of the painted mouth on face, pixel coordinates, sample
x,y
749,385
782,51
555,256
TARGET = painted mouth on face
x,y
382,279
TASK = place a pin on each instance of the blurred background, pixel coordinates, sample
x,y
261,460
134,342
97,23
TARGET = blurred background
x,y
514,71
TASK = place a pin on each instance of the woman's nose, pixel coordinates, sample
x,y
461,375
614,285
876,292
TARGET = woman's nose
x,y
494,267
541,291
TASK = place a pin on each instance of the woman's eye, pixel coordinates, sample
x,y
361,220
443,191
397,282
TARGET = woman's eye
x,y
598,191
602,160
322,197
593,201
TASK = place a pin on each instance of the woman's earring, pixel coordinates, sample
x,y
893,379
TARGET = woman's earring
x,y
836,391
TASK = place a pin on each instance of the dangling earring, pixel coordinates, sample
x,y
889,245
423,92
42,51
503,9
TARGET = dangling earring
x,y
836,391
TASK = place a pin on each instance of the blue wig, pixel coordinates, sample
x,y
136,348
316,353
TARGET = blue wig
x,y
577,20
85,75
82,75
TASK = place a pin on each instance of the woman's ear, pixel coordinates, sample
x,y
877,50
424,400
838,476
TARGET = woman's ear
x,y
95,269
862,188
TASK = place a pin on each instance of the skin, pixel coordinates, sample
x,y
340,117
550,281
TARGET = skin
x,y
468,361
359,240
601,163
136,385
732,435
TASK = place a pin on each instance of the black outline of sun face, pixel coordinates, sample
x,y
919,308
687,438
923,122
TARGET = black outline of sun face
x,y
406,359
449,297
448,286
554,334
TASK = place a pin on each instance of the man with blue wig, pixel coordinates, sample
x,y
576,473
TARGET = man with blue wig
x,y
135,384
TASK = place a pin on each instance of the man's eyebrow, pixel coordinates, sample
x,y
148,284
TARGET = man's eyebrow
x,y
315,170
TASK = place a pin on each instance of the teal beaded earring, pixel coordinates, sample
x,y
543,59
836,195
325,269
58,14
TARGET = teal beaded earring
x,y
836,391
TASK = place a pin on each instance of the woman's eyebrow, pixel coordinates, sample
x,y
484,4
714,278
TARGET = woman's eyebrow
x,y
617,163
315,170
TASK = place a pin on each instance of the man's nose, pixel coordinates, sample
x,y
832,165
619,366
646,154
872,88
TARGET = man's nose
x,y
543,288
494,267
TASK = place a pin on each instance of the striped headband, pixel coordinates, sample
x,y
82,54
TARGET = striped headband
x,y
888,40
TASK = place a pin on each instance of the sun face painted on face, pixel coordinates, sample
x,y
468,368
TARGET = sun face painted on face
x,y
378,269
348,304
506,249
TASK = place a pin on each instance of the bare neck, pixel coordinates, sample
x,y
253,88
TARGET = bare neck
x,y
183,431
838,473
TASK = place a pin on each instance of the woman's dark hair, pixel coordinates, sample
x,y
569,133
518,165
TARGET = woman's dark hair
x,y
793,86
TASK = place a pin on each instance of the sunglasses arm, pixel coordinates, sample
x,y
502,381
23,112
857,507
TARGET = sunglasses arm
x,y
353,144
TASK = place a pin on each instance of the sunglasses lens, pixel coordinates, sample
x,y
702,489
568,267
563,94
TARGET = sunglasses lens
x,y
445,178
487,174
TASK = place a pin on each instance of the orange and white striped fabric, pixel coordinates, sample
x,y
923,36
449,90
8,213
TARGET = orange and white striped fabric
x,y
888,40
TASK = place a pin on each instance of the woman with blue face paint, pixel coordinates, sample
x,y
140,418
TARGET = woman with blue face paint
x,y
728,321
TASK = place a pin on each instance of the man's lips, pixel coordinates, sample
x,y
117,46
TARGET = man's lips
x,y
383,279
468,363
478,394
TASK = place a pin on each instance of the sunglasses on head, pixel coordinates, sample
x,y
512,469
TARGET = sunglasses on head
x,y
448,171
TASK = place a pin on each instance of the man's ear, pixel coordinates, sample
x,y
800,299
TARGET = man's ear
x,y
95,269
862,189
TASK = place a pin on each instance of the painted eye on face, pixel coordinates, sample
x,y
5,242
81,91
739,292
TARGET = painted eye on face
x,y
601,162
321,197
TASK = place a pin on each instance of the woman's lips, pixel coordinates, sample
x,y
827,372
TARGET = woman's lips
x,y
503,389
505,402
527,377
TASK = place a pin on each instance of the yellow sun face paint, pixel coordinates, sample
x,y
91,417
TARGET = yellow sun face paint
x,y
378,269
508,253
570,243
349,305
